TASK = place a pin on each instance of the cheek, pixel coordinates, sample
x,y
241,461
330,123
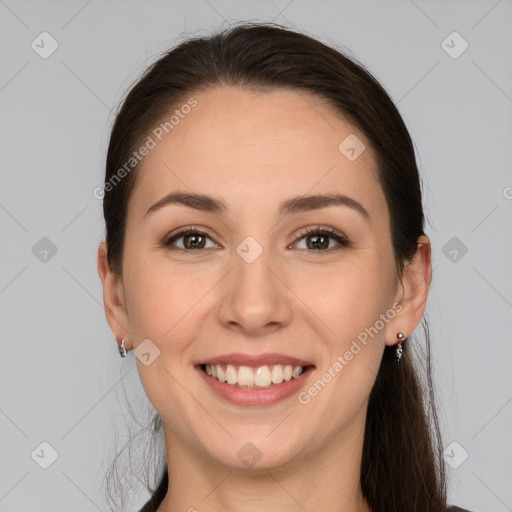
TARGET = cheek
x,y
351,309
348,297
166,298
348,325
164,303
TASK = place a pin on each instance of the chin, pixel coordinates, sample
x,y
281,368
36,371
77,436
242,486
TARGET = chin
x,y
253,452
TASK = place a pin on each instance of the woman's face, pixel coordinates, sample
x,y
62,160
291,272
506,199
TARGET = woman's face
x,y
251,282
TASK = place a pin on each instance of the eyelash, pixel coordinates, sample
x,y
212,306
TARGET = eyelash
x,y
329,232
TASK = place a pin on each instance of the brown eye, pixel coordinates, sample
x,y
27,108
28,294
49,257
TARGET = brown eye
x,y
192,240
318,240
195,241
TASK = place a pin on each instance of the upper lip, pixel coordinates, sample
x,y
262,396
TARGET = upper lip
x,y
238,359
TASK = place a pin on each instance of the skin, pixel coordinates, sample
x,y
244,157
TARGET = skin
x,y
255,151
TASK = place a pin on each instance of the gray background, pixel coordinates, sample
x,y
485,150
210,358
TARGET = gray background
x,y
61,378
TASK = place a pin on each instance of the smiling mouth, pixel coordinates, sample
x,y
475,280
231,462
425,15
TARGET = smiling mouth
x,y
260,377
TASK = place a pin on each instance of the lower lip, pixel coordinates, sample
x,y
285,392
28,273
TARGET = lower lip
x,y
257,396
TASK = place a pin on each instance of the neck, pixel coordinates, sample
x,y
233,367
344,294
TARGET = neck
x,y
328,480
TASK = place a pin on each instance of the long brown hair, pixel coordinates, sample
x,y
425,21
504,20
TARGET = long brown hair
x,y
402,467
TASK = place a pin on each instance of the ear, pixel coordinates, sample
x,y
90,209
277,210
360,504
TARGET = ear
x,y
412,292
113,299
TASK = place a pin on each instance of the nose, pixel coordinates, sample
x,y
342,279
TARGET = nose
x,y
256,299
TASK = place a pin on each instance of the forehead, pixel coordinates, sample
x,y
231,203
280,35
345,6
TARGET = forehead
x,y
255,149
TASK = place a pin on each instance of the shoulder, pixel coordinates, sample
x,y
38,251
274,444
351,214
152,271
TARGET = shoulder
x,y
456,509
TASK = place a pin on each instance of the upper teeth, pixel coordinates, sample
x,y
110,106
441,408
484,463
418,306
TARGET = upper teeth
x,y
262,376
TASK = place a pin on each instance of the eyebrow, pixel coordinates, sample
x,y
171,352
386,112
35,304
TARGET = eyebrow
x,y
297,204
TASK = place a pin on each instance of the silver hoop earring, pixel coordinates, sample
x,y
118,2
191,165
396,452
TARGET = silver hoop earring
x,y
399,350
122,349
